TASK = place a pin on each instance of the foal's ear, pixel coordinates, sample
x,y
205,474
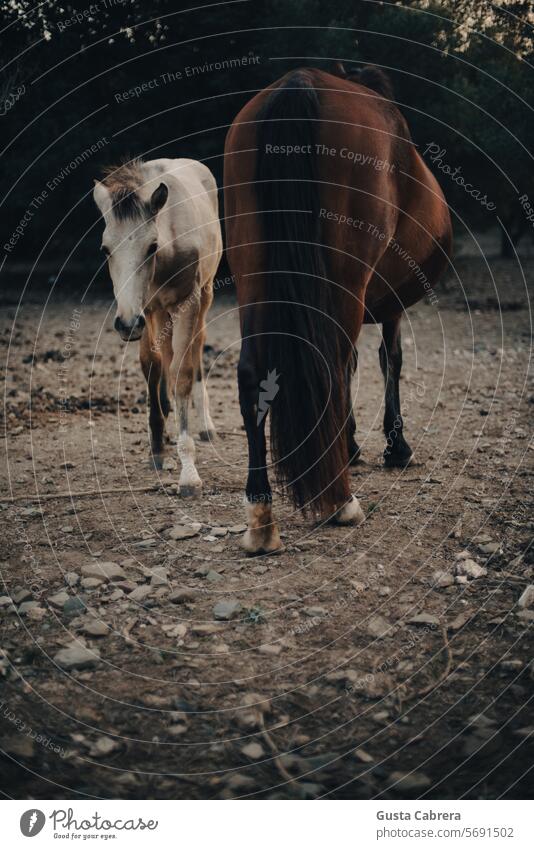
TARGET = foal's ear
x,y
102,197
159,198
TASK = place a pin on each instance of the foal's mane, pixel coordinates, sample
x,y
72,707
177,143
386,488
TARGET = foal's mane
x,y
123,182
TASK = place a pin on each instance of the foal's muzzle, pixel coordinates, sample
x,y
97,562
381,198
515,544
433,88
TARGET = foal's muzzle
x,y
130,331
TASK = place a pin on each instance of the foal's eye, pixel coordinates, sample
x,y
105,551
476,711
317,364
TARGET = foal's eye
x,y
105,250
152,249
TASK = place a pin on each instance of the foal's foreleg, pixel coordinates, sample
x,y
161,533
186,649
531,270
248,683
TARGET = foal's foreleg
x,y
207,429
181,374
262,533
152,370
397,451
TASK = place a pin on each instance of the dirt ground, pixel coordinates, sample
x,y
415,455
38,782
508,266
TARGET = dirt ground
x,y
362,663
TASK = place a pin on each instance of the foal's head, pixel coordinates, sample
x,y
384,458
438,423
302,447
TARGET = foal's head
x,y
129,206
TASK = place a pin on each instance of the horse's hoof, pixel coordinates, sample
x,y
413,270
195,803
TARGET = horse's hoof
x,y
208,435
400,460
262,536
350,514
190,490
261,541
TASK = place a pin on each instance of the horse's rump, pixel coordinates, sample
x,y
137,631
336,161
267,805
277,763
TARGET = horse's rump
x,y
320,175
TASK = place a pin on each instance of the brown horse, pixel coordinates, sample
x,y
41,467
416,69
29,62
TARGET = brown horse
x,y
332,220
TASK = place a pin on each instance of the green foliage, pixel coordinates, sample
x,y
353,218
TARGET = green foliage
x,y
461,71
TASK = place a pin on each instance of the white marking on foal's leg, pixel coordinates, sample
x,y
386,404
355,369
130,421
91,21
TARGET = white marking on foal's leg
x,y
350,514
262,536
190,483
202,405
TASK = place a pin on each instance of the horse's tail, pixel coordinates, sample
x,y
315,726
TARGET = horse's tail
x,y
302,337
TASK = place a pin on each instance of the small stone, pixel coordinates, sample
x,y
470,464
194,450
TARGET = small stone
x,y
461,580
103,746
27,606
409,780
441,578
379,627
71,579
237,529
59,599
5,601
107,571
74,606
253,751
273,650
160,577
219,532
182,596
227,609
238,781
125,586
470,569
92,583
139,594
205,629
179,630
315,611
527,597
363,756
36,614
424,619
460,620
21,595
177,730
490,548
181,532
95,628
77,656
526,615
213,577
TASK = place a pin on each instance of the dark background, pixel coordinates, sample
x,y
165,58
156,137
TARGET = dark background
x,y
461,72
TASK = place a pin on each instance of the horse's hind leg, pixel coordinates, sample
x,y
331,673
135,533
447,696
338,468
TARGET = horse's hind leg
x,y
200,393
262,534
353,447
397,451
152,370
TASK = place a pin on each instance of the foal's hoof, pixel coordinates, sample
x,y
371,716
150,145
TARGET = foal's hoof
x,y
207,435
156,462
350,514
190,490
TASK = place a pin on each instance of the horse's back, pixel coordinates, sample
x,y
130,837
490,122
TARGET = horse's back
x,y
190,220
375,190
